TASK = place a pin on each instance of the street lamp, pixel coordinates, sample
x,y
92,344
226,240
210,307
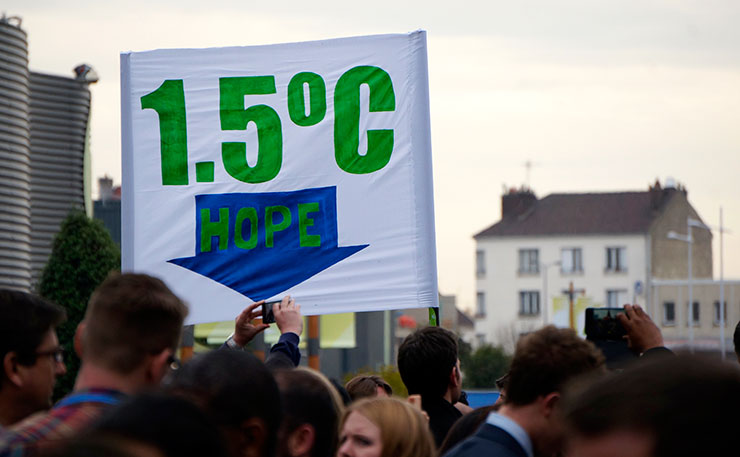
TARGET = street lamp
x,y
690,222
546,301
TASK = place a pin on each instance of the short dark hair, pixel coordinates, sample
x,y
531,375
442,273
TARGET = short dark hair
x,y
24,321
363,386
545,360
232,386
425,360
129,317
682,401
172,425
736,340
309,399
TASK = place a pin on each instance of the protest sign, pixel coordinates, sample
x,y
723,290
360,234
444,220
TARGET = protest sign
x,y
254,172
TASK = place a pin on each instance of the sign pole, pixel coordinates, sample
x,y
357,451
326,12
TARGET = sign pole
x,y
313,342
434,317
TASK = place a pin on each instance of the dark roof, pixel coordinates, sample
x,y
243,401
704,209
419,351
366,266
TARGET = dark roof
x,y
463,320
581,214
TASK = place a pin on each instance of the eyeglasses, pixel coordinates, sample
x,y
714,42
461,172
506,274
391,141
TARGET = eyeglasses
x,y
57,354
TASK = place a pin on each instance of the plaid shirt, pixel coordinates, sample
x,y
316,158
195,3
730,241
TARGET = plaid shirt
x,y
43,430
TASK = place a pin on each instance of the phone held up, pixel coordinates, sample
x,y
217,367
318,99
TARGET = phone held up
x,y
268,316
608,334
602,324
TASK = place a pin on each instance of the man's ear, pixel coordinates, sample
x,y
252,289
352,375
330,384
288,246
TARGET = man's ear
x,y
455,377
158,366
79,336
549,402
253,437
301,440
10,367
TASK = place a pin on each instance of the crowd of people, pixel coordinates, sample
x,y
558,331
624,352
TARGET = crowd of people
x,y
133,398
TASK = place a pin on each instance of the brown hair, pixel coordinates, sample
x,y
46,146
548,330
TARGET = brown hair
x,y
403,429
545,360
129,317
688,405
366,386
308,397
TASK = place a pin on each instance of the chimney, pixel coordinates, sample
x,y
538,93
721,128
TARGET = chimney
x,y
656,195
516,202
659,195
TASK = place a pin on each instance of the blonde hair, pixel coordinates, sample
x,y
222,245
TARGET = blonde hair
x,y
404,431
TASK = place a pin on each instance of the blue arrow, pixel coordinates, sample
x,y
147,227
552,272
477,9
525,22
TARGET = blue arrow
x,y
262,244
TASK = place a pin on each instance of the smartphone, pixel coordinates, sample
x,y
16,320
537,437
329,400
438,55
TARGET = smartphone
x,y
602,324
605,331
268,317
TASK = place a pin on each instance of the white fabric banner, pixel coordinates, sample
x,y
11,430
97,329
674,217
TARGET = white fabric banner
x,y
254,172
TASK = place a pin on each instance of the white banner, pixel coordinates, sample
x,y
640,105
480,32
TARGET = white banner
x,y
254,172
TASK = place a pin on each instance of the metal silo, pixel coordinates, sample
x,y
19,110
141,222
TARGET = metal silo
x,y
60,112
15,175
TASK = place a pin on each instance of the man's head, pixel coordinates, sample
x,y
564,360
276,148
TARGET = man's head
x,y
671,406
428,363
131,319
239,394
30,353
156,424
312,409
544,361
365,386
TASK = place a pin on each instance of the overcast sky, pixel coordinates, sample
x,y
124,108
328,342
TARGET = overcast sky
x,y
599,95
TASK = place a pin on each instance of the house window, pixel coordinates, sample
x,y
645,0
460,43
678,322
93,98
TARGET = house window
x,y
480,304
529,261
570,260
616,298
616,259
669,313
480,263
480,339
529,302
717,310
694,314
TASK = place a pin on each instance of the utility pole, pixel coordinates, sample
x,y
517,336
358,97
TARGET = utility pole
x,y
689,240
571,293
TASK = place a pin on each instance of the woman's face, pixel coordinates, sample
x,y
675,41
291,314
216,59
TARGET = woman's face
x,y
359,438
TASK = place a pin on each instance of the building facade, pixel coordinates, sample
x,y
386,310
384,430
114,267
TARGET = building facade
x,y
591,250
673,314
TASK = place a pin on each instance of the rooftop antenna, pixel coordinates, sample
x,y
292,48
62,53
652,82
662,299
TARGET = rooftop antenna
x,y
528,169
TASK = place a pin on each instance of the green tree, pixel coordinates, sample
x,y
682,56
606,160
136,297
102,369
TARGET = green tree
x,y
83,254
483,366
464,351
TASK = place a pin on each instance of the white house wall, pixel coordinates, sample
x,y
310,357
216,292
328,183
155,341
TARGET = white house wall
x,y
501,282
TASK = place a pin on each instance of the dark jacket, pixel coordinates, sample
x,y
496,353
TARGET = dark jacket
x,y
441,416
490,441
